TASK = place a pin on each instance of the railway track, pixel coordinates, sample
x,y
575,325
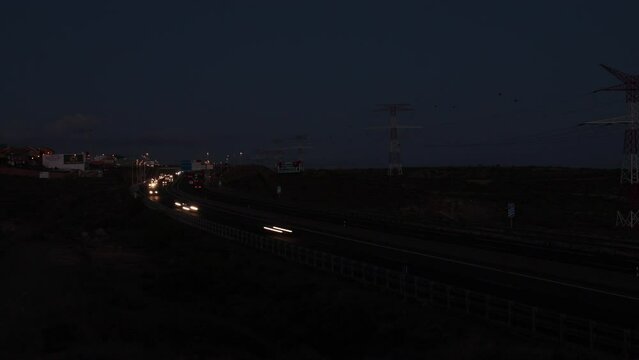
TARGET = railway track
x,y
614,255
517,286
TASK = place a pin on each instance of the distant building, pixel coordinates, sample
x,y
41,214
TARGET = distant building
x,y
46,151
64,161
101,161
3,154
23,156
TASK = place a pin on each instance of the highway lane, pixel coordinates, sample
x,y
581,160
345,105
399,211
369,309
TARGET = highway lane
x,y
601,303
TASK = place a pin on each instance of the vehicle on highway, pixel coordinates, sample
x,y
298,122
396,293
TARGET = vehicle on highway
x,y
186,206
152,186
277,229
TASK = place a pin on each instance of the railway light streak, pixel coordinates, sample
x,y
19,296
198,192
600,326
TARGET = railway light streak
x,y
282,229
272,229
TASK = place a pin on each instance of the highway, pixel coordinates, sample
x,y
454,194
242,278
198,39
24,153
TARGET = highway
x,y
606,295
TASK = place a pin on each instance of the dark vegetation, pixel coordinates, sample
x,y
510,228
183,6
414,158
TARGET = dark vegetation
x,y
87,272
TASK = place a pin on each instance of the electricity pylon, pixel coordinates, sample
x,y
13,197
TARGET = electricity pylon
x,y
394,151
629,167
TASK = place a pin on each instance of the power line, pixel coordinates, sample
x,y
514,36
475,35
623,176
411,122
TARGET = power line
x,y
523,139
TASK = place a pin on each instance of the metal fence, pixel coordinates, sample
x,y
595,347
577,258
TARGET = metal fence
x,y
518,317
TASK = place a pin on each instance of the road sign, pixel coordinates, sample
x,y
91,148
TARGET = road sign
x,y
292,167
511,213
511,210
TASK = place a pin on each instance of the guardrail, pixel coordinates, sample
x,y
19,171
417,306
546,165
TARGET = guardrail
x,y
520,318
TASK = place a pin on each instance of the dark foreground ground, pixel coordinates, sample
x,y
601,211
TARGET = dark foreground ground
x,y
88,273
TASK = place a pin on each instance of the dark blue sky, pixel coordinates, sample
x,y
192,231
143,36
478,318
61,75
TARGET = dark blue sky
x,y
183,77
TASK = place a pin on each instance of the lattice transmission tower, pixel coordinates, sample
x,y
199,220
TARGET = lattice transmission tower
x,y
629,167
394,151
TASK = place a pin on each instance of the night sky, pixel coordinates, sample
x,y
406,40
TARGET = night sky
x,y
492,82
